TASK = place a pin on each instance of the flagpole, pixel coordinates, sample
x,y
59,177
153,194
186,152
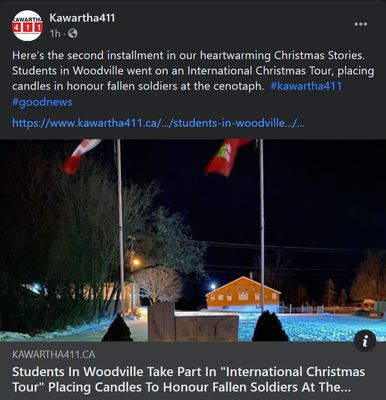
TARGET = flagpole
x,y
120,229
259,143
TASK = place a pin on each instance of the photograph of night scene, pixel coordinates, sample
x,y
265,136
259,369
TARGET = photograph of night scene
x,y
233,240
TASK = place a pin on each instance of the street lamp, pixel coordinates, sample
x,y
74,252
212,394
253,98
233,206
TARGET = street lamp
x,y
213,286
135,262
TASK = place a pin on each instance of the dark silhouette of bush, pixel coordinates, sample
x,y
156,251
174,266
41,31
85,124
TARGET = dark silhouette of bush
x,y
118,331
268,329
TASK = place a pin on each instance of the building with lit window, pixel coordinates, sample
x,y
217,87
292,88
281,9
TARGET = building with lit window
x,y
243,294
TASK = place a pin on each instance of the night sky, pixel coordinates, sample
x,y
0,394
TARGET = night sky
x,y
319,194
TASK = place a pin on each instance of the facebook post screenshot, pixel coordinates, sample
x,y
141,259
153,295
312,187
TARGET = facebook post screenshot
x,y
192,199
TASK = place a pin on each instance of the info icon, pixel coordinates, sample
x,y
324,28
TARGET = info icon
x,y
365,340
27,25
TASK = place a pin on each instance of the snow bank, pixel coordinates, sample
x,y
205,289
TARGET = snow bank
x,y
85,329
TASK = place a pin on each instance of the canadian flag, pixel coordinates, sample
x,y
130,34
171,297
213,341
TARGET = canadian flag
x,y
72,163
222,162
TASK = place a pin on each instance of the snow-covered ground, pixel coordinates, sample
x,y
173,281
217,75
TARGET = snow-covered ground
x,y
317,328
299,327
309,327
85,333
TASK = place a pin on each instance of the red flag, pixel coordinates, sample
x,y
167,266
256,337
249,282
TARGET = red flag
x,y
72,163
222,162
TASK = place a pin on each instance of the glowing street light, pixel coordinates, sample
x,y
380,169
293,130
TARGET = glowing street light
x,y
135,261
213,286
36,288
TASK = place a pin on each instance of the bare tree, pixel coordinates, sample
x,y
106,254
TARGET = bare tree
x,y
159,284
277,265
370,281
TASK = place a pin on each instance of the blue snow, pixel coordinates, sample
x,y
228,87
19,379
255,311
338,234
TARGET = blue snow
x,y
299,328
316,328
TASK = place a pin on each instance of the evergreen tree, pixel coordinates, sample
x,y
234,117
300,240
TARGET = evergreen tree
x,y
118,331
277,265
329,297
60,232
269,329
343,297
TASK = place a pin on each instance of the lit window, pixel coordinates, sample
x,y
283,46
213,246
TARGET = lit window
x,y
229,296
243,296
257,296
220,297
212,297
274,296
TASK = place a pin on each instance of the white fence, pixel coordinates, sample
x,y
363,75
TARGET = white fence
x,y
301,310
315,309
